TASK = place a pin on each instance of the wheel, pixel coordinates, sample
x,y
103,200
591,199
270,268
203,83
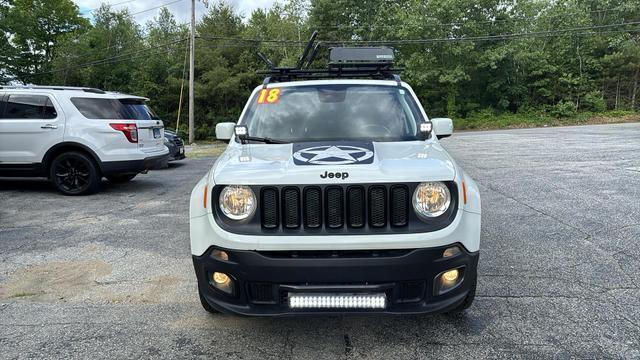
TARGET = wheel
x,y
121,178
205,304
75,173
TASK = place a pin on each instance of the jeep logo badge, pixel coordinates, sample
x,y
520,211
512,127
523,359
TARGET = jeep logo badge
x,y
338,175
333,155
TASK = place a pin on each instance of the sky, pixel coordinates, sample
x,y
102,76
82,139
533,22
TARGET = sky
x,y
179,8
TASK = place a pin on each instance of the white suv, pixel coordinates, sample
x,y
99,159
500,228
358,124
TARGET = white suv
x,y
335,196
75,136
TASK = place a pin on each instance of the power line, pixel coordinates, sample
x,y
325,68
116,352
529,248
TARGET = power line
x,y
109,5
130,1
424,40
133,14
141,38
156,7
285,43
540,15
392,42
109,60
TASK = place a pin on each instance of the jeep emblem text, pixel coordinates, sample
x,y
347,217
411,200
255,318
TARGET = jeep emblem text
x,y
338,175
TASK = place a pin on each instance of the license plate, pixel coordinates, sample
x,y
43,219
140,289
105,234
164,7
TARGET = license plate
x,y
156,133
181,150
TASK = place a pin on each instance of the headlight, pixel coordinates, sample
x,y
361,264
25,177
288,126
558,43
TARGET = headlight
x,y
237,202
431,199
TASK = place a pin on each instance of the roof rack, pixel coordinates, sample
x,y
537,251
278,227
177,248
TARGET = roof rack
x,y
344,62
52,87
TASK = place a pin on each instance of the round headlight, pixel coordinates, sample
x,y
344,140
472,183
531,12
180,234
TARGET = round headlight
x,y
237,202
431,199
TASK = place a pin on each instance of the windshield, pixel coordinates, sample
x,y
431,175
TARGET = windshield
x,y
333,112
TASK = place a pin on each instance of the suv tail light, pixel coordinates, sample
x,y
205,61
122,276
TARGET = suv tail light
x,y
129,130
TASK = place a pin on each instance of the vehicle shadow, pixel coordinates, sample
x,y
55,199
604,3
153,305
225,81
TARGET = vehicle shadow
x,y
174,165
26,184
42,185
356,335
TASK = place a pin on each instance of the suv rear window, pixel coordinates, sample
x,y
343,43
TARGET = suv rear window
x,y
27,107
114,109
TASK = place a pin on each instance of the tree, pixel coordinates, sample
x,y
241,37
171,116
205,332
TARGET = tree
x,y
36,26
6,50
159,77
105,56
461,57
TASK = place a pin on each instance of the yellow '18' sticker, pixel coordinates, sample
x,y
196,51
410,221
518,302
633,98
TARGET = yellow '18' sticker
x,y
269,96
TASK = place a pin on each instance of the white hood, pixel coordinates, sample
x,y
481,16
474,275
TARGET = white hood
x,y
393,162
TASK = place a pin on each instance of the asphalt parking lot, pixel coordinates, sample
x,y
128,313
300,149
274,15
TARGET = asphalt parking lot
x,y
110,275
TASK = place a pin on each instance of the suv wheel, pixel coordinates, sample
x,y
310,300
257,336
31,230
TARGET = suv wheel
x,y
121,178
74,173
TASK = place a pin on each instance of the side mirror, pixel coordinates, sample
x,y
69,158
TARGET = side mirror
x,y
224,131
442,127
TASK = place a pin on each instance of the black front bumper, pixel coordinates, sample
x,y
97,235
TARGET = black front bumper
x,y
263,280
133,166
176,151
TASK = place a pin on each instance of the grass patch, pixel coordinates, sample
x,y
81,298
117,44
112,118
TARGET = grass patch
x,y
487,121
205,149
23,294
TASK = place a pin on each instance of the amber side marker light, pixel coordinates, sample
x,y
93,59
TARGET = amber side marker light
x,y
206,189
451,252
220,255
464,191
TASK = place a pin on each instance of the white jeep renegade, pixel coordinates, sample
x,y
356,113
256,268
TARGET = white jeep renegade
x,y
335,196
75,136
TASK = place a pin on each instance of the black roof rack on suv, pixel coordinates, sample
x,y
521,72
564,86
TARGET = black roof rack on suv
x,y
53,87
344,62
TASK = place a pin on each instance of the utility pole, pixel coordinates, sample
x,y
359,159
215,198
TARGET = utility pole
x,y
191,70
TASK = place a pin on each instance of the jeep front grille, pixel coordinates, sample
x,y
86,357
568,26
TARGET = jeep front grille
x,y
269,208
312,207
334,209
378,206
291,207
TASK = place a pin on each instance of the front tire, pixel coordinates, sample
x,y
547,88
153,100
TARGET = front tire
x,y
75,173
121,178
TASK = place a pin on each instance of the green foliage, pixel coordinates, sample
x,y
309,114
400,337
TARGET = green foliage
x,y
36,26
593,101
483,79
563,109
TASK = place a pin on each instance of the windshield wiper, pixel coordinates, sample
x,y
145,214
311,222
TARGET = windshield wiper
x,y
262,140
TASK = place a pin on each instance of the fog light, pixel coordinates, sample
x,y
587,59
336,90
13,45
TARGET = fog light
x,y
221,278
223,282
449,276
220,255
450,252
